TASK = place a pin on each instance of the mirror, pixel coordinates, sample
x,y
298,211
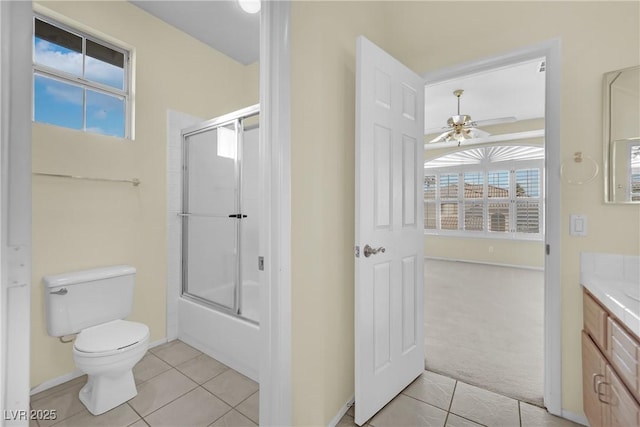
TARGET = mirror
x,y
622,135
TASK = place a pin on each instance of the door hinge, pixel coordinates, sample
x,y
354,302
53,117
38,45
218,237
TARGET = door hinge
x,y
357,251
548,249
261,263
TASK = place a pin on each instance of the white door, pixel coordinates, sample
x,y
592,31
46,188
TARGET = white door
x,y
389,329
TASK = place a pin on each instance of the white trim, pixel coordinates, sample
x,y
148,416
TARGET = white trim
x,y
4,111
496,264
176,121
571,416
345,408
553,292
54,382
16,90
275,222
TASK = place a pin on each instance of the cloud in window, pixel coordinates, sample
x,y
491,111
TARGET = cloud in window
x,y
64,93
69,61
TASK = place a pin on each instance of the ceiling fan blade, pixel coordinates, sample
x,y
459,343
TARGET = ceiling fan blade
x,y
496,121
479,133
435,130
440,138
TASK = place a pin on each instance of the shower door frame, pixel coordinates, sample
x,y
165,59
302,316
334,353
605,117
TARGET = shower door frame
x,y
236,118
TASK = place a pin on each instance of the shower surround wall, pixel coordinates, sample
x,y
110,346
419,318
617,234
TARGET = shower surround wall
x,y
212,262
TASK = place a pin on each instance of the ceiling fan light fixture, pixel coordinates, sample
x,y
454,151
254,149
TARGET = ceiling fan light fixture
x,y
458,120
250,6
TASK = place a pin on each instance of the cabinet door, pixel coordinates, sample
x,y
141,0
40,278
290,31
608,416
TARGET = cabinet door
x,y
623,352
595,320
593,373
624,411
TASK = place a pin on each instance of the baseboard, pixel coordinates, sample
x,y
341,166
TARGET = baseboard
x,y
159,342
55,381
576,418
345,408
73,375
496,264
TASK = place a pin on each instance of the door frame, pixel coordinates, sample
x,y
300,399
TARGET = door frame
x,y
275,205
15,212
550,49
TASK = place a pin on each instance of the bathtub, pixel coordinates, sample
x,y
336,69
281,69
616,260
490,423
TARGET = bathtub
x,y
231,340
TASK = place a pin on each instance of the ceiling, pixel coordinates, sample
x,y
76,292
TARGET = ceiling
x,y
517,90
510,91
221,24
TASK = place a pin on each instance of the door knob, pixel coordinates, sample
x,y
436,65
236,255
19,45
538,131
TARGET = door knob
x,y
368,250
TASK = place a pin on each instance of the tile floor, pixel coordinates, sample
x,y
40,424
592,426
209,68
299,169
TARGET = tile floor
x,y
436,400
177,386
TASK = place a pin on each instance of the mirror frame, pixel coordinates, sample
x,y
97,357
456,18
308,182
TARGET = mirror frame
x,y
608,145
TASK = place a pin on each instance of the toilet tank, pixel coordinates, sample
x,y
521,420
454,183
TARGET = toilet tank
x,y
80,299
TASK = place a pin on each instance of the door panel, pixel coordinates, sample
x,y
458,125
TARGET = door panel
x,y
388,282
383,202
210,226
211,265
212,186
409,302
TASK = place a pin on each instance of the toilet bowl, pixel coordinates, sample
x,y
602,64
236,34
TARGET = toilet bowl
x,y
93,304
107,353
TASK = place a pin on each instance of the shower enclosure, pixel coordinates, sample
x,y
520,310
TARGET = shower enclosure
x,y
220,214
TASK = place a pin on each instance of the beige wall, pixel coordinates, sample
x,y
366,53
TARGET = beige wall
x,y
322,206
420,34
523,253
83,224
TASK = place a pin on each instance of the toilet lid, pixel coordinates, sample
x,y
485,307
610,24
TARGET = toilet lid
x,y
110,336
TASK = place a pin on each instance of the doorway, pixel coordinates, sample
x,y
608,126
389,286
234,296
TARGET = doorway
x,y
484,266
484,231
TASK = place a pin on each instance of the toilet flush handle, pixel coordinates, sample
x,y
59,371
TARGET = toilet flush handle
x,y
62,291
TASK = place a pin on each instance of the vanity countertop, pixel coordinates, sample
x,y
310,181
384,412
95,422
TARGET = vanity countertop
x,y
615,281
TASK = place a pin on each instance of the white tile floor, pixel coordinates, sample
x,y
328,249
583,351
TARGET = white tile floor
x,y
179,386
435,400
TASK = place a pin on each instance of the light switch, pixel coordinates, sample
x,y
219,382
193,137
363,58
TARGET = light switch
x,y
578,225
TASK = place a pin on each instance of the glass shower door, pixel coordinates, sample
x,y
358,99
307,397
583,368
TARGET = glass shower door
x,y
210,209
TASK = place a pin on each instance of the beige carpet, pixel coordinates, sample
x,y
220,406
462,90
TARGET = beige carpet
x,y
484,326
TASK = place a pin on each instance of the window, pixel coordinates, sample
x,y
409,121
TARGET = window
x,y
79,81
634,178
485,192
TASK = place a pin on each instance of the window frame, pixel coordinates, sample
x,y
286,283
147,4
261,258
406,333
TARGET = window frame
x,y
68,78
485,167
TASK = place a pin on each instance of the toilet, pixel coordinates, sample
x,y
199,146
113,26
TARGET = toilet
x,y
93,304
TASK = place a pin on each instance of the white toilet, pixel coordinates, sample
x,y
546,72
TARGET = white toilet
x,y
92,304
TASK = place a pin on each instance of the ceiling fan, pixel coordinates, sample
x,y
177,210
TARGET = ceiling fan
x,y
460,126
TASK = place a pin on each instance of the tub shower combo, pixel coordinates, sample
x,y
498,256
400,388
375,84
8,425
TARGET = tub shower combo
x,y
218,309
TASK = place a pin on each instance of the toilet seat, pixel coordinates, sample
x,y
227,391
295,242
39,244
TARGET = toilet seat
x,y
110,338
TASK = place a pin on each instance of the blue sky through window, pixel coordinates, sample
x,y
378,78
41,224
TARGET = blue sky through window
x,y
60,103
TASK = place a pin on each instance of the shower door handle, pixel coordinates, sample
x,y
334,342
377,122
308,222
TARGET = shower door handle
x,y
239,216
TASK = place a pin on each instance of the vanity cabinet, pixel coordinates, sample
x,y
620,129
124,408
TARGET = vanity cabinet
x,y
610,369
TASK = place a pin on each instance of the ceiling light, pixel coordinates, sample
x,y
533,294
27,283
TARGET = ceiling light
x,y
250,6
